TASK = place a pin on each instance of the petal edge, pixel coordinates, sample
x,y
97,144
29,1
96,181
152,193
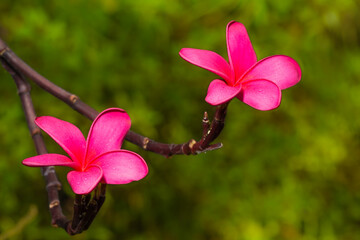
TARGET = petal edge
x,y
85,182
208,60
240,50
280,69
219,92
50,159
261,94
121,167
107,132
67,135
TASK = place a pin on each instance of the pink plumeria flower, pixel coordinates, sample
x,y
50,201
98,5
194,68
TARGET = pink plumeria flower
x,y
96,159
256,83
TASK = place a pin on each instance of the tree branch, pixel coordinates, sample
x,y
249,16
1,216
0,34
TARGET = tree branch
x,y
52,183
210,132
84,210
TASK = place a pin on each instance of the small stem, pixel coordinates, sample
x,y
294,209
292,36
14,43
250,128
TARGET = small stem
x,y
99,198
212,132
205,123
217,124
77,211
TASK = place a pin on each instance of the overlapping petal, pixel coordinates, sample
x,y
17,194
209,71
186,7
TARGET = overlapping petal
x,y
280,69
85,182
260,94
107,132
122,166
67,135
241,53
219,92
50,159
208,60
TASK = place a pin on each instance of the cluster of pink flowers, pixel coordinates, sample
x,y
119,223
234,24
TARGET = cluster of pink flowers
x,y
99,157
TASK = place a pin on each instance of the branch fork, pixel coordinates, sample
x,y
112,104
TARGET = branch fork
x,y
87,206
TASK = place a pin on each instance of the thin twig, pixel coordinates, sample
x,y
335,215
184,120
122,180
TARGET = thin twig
x,y
167,150
214,129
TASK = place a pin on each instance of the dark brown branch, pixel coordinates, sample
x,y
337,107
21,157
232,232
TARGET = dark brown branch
x,y
210,133
84,212
93,207
215,128
167,150
52,183
16,63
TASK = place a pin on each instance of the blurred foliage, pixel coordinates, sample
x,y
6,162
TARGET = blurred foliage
x,y
291,173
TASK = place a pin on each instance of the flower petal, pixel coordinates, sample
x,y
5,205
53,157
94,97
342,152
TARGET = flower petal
x,y
219,92
85,182
207,59
67,135
50,159
280,69
121,167
261,94
241,53
107,132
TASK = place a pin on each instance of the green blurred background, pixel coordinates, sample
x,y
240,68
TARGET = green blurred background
x,y
291,173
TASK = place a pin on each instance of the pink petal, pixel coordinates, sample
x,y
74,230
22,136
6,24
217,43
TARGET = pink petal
x,y
261,94
219,92
107,132
121,167
68,136
207,59
85,182
241,53
50,159
280,69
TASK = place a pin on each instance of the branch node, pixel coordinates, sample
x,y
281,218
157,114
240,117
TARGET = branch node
x,y
54,203
219,120
57,184
48,170
4,50
74,98
23,89
192,143
145,143
35,132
